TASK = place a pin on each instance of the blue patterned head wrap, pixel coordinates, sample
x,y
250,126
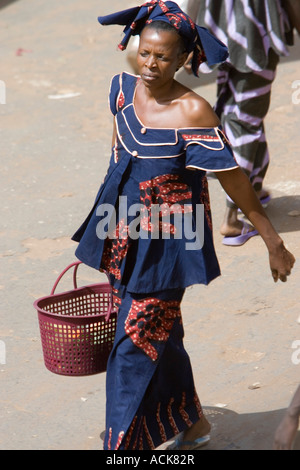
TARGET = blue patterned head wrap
x,y
206,47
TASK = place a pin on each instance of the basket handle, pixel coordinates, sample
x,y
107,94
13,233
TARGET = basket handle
x,y
75,265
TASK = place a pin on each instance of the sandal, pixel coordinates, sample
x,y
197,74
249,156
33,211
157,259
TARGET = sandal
x,y
239,240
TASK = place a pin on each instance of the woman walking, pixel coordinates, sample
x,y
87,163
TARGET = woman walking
x,y
165,138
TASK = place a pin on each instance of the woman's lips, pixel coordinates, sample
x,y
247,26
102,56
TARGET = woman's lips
x,y
148,77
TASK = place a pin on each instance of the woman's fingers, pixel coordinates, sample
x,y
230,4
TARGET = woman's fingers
x,y
285,269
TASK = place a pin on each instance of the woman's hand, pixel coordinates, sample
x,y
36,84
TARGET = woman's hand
x,y
238,187
281,263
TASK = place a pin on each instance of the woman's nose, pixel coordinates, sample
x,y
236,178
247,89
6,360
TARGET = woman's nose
x,y
151,62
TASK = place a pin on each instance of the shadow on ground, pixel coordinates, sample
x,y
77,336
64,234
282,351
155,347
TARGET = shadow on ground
x,y
251,431
5,3
284,211
233,431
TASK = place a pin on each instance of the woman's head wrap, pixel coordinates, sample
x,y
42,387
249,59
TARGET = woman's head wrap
x,y
207,48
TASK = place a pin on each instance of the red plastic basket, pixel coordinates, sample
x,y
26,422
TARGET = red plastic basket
x,y
77,327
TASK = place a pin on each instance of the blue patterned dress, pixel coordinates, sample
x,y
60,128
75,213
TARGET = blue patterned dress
x,y
150,228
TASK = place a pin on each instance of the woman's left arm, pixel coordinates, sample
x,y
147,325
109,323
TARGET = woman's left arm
x,y
238,187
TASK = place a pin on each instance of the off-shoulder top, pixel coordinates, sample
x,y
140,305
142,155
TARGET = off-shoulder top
x,y
150,226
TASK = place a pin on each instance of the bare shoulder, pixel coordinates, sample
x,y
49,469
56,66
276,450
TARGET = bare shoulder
x,y
197,111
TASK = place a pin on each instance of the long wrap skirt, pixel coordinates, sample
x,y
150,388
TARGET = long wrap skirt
x,y
151,395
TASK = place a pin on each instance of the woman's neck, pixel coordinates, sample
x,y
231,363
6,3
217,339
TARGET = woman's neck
x,y
162,95
161,107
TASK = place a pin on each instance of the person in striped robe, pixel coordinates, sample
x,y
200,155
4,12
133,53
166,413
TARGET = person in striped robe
x,y
257,33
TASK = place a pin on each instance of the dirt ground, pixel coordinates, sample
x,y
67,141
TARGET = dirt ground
x,y
55,134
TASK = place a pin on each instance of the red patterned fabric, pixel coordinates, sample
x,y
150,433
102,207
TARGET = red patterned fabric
x,y
121,100
171,194
205,200
151,320
199,137
115,250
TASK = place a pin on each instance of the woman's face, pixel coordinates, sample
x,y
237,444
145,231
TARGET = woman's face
x,y
159,56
